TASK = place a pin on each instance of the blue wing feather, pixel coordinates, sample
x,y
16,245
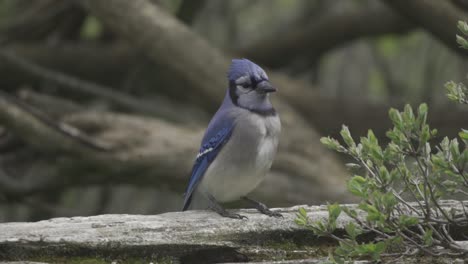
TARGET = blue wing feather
x,y
212,144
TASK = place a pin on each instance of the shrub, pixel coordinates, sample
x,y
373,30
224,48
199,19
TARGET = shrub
x,y
400,187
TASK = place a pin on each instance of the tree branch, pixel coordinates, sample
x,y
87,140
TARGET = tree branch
x,y
325,33
50,105
168,41
189,9
84,87
105,64
437,17
36,21
37,129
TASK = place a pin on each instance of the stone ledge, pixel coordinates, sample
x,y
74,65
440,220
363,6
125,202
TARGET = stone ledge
x,y
193,236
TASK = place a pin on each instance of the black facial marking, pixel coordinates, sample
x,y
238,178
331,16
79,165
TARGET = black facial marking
x,y
232,92
253,85
253,82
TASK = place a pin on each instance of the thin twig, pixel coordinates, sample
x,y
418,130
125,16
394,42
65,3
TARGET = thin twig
x,y
63,128
77,85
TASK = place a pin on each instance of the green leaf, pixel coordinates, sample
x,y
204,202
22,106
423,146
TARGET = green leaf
x,y
455,149
330,143
409,120
320,228
300,222
384,174
396,118
374,250
372,138
380,247
463,134
445,144
422,114
347,136
407,221
395,175
350,212
462,41
373,214
438,162
463,27
449,184
452,91
425,135
334,210
353,230
357,186
457,92
422,109
301,217
389,200
353,166
427,237
302,212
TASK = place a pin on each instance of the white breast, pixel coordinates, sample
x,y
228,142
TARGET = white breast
x,y
245,160
266,149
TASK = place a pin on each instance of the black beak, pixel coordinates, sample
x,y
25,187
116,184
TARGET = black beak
x,y
266,87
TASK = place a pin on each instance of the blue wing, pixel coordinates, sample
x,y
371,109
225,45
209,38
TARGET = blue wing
x,y
212,143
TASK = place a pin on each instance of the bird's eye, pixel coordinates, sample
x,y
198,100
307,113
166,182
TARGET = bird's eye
x,y
244,83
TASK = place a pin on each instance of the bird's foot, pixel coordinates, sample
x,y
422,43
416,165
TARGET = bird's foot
x,y
215,206
262,208
224,213
268,212
232,215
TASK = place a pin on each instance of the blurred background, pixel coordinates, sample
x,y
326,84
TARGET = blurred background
x,y
103,103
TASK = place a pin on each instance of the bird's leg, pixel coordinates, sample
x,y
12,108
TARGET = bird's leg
x,y
262,208
215,206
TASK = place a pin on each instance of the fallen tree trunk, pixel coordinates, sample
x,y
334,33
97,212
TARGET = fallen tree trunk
x,y
193,236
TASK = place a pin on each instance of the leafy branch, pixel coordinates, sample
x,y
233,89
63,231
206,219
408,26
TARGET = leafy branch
x,y
410,168
459,92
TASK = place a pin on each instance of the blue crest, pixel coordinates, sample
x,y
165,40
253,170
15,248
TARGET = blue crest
x,y
243,67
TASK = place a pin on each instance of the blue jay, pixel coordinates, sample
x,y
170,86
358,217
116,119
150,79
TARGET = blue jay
x,y
239,144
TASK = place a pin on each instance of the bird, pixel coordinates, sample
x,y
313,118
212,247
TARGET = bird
x,y
239,144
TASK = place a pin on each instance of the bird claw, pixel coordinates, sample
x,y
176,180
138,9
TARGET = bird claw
x,y
265,210
262,208
271,213
234,216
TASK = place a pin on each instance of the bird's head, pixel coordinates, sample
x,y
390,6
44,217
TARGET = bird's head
x,y
249,86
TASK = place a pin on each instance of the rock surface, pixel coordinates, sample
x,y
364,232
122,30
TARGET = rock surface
x,y
192,235
178,237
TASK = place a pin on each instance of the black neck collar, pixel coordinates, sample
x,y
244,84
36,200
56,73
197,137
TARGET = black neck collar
x,y
264,112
